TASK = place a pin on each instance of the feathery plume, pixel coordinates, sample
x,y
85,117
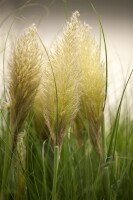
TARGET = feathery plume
x,y
93,83
63,59
24,78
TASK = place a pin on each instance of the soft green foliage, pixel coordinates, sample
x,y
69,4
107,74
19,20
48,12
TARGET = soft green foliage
x,y
65,89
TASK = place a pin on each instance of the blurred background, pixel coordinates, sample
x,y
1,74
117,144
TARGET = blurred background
x,y
50,15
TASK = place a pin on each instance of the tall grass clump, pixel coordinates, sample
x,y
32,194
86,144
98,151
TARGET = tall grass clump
x,y
59,93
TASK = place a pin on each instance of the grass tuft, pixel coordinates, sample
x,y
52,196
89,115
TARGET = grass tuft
x,y
60,94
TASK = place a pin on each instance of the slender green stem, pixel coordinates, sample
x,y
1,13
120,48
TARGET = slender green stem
x,y
103,140
21,8
106,183
56,164
44,171
6,165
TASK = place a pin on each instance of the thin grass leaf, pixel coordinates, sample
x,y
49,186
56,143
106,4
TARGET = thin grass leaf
x,y
115,127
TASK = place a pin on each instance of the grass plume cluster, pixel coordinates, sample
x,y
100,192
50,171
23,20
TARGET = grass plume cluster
x,y
59,94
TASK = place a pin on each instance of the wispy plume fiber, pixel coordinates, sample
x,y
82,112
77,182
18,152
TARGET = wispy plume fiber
x,y
63,59
24,78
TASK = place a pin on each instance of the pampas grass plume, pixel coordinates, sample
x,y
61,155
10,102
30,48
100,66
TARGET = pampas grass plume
x,y
93,84
24,78
63,59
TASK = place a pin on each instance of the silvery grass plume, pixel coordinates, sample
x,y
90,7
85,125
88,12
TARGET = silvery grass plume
x,y
93,84
63,60
24,78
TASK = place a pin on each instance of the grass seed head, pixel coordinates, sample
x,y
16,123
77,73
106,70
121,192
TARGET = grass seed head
x,y
24,76
93,83
63,59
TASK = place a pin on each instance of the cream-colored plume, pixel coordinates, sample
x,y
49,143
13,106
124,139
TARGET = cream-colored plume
x,y
24,78
63,59
93,83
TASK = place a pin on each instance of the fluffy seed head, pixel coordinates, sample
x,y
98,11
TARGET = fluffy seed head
x,y
63,59
93,83
24,76
93,73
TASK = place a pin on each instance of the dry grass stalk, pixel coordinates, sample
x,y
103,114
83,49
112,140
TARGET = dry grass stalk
x,y
24,78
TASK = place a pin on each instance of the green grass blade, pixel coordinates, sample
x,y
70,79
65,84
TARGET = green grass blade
x,y
115,127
